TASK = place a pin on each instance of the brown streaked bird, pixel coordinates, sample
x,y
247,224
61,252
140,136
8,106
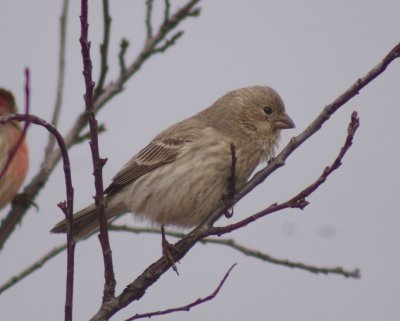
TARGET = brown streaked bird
x,y
183,174
9,136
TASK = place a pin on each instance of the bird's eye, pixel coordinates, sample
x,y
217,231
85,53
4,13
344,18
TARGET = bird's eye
x,y
267,110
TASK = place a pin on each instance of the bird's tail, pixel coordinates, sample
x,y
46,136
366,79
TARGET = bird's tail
x,y
86,221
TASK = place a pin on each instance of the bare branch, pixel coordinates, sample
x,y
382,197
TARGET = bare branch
x,y
98,163
147,51
245,250
104,49
188,306
149,11
167,9
168,43
218,241
61,74
121,56
284,262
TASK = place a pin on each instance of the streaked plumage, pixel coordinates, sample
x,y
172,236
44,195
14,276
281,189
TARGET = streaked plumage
x,y
182,175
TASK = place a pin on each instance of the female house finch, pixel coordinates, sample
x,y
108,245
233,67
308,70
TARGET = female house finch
x,y
9,136
183,174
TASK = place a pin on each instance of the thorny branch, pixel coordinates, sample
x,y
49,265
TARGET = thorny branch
x,y
98,163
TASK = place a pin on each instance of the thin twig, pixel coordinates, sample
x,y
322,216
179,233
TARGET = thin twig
x,y
168,43
245,250
61,74
167,9
188,306
149,11
209,240
104,49
121,56
284,262
98,163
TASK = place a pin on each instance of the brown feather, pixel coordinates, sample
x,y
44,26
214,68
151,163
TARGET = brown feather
x,y
154,155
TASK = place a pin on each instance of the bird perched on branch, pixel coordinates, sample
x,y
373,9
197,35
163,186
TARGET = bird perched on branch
x,y
183,175
10,133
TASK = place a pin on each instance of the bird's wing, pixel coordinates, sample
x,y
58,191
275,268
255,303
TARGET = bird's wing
x,y
154,155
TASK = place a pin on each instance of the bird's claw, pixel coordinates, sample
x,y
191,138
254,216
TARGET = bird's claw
x,y
167,248
229,213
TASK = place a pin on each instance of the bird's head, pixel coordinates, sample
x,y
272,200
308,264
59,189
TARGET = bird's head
x,y
260,110
257,112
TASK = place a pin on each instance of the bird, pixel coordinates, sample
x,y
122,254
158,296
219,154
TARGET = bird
x,y
10,133
183,174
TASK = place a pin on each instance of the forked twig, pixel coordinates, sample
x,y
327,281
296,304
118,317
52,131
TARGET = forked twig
x,y
188,306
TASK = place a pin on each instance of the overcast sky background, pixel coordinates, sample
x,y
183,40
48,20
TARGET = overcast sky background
x,y
310,52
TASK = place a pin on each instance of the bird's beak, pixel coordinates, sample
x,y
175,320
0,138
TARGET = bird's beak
x,y
284,122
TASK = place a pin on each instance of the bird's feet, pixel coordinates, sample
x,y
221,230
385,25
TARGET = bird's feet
x,y
225,200
229,213
167,250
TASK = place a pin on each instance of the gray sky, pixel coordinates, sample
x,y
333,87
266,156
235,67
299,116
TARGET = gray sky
x,y
310,52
